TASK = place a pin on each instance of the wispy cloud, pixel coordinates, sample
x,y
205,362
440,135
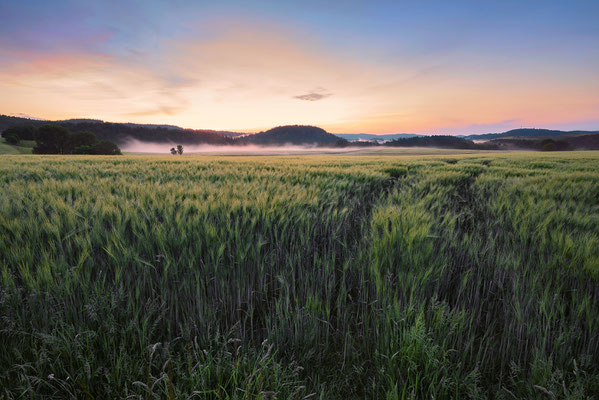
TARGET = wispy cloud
x,y
312,96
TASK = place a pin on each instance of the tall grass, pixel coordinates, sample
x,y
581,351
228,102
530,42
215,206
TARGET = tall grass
x,y
317,277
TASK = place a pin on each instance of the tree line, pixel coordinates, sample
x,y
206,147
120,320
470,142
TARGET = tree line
x,y
52,139
441,141
119,133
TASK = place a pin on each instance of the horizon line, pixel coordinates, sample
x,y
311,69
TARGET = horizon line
x,y
254,131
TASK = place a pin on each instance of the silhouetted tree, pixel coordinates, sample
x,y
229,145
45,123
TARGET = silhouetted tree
x,y
173,151
25,132
180,149
105,147
51,140
80,143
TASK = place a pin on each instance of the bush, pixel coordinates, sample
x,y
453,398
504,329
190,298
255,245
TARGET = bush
x,y
11,139
549,145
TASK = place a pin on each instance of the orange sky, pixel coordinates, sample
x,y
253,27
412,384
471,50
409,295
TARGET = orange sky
x,y
252,75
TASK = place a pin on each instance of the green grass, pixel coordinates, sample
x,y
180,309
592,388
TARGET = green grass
x,y
380,277
24,147
7,148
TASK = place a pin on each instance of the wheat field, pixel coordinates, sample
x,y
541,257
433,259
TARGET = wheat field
x,y
316,277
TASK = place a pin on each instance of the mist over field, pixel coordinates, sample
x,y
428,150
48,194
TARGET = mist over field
x,y
138,146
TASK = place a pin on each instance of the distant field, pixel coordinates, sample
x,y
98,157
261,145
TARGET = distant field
x,y
386,276
24,147
7,148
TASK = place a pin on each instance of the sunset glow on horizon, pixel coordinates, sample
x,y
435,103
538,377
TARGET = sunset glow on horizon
x,y
348,67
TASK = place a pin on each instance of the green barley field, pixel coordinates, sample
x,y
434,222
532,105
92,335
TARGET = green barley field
x,y
464,276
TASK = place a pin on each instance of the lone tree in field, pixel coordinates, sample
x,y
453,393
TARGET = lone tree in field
x,y
173,151
180,149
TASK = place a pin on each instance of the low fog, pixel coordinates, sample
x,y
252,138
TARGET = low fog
x,y
138,146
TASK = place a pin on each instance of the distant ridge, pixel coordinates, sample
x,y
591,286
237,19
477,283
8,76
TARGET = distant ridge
x,y
352,137
81,120
525,132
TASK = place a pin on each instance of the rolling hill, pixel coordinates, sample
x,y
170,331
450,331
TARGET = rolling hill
x,y
562,142
293,134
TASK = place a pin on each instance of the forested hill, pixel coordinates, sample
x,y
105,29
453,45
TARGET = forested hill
x,y
121,133
293,134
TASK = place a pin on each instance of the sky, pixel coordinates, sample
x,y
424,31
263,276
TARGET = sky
x,y
436,67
